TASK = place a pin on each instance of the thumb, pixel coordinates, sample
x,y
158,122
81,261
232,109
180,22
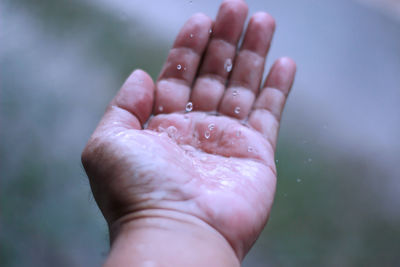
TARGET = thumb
x,y
132,105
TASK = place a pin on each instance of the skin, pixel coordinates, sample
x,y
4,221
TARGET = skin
x,y
193,188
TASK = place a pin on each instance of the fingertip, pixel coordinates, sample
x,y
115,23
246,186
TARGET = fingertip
x,y
287,63
140,77
201,17
281,75
199,22
234,1
232,13
259,33
194,33
290,67
235,7
136,95
263,19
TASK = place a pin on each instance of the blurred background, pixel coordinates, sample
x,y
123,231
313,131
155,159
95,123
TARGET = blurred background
x,y
338,158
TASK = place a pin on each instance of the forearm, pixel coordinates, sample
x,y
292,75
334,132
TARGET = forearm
x,y
164,238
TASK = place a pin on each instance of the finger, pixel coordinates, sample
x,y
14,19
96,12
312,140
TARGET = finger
x,y
176,78
268,107
210,85
245,80
132,105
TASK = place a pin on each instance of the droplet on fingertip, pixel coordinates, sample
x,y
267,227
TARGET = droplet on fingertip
x,y
189,106
228,65
207,134
160,108
235,92
211,126
237,110
179,67
191,35
250,149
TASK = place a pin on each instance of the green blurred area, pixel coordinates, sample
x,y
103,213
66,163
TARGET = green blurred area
x,y
61,62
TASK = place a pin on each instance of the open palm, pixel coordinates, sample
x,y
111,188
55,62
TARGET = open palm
x,y
201,140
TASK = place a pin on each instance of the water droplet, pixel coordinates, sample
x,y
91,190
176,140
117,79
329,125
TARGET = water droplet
x,y
171,130
210,31
238,133
235,92
191,35
211,126
160,108
250,149
189,106
276,161
207,134
228,65
237,110
179,66
298,180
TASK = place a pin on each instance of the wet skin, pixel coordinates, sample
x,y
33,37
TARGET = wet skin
x,y
214,163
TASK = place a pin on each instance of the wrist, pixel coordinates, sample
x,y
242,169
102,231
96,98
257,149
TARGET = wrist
x,y
167,238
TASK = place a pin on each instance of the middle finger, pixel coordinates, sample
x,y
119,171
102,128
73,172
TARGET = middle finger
x,y
210,84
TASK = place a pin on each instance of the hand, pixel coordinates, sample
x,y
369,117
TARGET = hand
x,y
151,157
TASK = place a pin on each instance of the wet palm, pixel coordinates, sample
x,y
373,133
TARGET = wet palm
x,y
213,167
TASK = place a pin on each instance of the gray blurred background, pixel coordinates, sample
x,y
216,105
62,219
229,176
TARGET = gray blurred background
x,y
338,195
